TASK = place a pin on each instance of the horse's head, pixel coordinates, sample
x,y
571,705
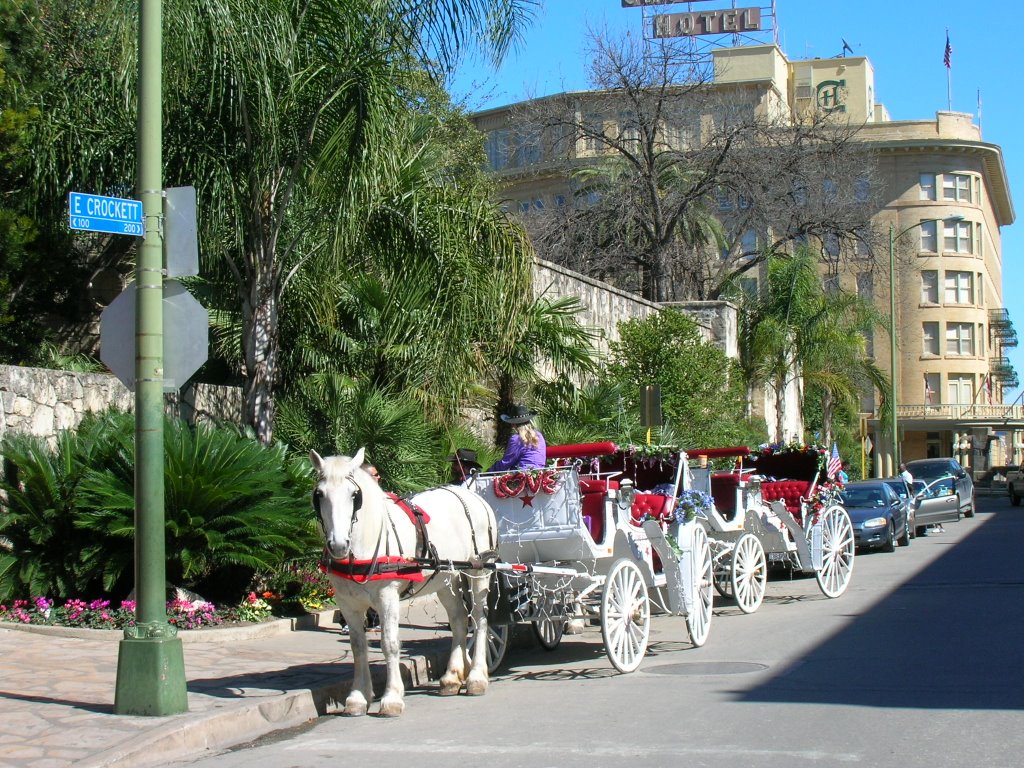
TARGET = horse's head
x,y
338,499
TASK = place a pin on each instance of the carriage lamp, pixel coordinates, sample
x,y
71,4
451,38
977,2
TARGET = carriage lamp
x,y
627,494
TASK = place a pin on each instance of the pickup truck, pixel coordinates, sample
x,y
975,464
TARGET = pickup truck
x,y
1015,485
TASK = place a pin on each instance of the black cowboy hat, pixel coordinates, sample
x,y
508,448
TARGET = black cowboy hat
x,y
464,456
518,414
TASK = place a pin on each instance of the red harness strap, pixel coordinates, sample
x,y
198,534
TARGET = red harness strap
x,y
383,568
362,571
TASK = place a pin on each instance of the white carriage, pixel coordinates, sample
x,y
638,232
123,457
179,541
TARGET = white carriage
x,y
578,540
773,508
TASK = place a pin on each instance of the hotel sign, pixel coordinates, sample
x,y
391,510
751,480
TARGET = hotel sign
x,y
639,3
720,22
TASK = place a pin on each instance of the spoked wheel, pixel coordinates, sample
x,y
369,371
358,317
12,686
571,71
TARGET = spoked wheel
x,y
698,621
723,574
497,644
625,616
837,552
549,632
749,573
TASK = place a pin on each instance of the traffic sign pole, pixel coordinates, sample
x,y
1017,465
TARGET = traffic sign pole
x,y
150,663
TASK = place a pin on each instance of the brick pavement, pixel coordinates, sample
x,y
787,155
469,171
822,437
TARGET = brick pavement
x,y
57,688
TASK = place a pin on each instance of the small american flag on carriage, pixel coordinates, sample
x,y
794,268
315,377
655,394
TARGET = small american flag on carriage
x,y
834,462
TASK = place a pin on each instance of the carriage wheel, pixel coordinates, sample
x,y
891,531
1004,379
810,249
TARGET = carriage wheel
x,y
837,550
698,621
749,573
549,632
625,616
723,575
497,644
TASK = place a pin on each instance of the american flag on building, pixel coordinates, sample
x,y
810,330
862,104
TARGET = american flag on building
x,y
834,462
947,56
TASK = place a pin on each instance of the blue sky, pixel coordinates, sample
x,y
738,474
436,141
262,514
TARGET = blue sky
x,y
904,39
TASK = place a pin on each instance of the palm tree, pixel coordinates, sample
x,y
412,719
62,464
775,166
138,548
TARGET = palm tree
x,y
281,113
793,328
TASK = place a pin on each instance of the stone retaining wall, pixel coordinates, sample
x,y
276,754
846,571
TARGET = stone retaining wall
x,y
43,402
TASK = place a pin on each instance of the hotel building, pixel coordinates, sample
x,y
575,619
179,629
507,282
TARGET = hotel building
x,y
943,198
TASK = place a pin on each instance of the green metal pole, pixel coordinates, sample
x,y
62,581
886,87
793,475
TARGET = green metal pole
x,y
150,664
892,349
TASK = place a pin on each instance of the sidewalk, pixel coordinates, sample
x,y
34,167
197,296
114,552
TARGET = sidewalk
x,y
57,688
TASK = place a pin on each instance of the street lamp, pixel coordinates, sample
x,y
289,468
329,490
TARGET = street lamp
x,y
893,237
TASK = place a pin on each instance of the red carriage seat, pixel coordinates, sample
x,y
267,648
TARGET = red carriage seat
x,y
654,504
593,492
787,491
723,491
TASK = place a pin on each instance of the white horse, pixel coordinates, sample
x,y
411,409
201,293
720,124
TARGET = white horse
x,y
377,555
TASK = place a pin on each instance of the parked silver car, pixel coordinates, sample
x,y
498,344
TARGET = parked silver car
x,y
930,470
935,502
899,487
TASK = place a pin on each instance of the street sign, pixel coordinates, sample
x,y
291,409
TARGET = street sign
x,y
868,445
186,335
95,213
181,243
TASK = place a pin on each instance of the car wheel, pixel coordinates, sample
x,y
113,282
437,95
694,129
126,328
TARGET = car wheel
x,y
912,524
1014,499
904,539
890,540
970,512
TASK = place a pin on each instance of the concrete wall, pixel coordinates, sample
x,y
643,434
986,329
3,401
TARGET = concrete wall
x,y
43,402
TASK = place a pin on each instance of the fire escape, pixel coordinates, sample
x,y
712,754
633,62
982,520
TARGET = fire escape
x,y
1002,332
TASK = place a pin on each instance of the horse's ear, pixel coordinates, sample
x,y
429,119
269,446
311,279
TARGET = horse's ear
x,y
318,463
357,460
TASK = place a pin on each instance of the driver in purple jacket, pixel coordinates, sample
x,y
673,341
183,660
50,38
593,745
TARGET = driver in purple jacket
x,y
526,447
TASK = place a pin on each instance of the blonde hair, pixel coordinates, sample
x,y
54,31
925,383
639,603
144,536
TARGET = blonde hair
x,y
528,434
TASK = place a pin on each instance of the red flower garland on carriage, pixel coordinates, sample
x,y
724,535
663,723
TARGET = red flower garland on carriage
x,y
512,484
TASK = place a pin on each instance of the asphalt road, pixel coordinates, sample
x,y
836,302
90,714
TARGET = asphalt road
x,y
917,664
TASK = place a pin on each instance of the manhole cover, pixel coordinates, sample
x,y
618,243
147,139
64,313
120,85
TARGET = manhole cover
x,y
693,668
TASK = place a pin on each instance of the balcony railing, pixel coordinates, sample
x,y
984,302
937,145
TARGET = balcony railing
x,y
957,412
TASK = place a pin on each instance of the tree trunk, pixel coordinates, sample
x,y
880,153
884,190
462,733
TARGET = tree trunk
x,y
826,416
506,399
260,337
780,409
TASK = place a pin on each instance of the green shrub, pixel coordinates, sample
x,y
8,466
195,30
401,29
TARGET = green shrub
x,y
233,508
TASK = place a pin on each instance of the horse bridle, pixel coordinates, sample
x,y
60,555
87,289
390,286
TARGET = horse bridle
x,y
357,504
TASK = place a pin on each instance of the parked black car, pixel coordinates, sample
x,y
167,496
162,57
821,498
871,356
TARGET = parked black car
x,y
930,470
878,516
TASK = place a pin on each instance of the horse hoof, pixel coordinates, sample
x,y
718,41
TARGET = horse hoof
x,y
391,708
355,707
476,687
450,689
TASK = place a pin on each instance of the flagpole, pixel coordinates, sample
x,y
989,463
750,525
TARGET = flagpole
x,y
948,61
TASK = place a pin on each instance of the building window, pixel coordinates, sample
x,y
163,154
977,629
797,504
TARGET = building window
x,y
831,246
593,132
981,289
960,339
977,190
960,388
927,186
959,287
979,241
829,190
560,201
496,147
869,343
981,340
930,333
929,237
748,286
799,193
931,388
957,237
830,283
629,129
956,186
748,242
865,285
929,286
862,190
724,199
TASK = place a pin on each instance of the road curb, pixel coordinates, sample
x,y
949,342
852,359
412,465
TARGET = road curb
x,y
193,736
